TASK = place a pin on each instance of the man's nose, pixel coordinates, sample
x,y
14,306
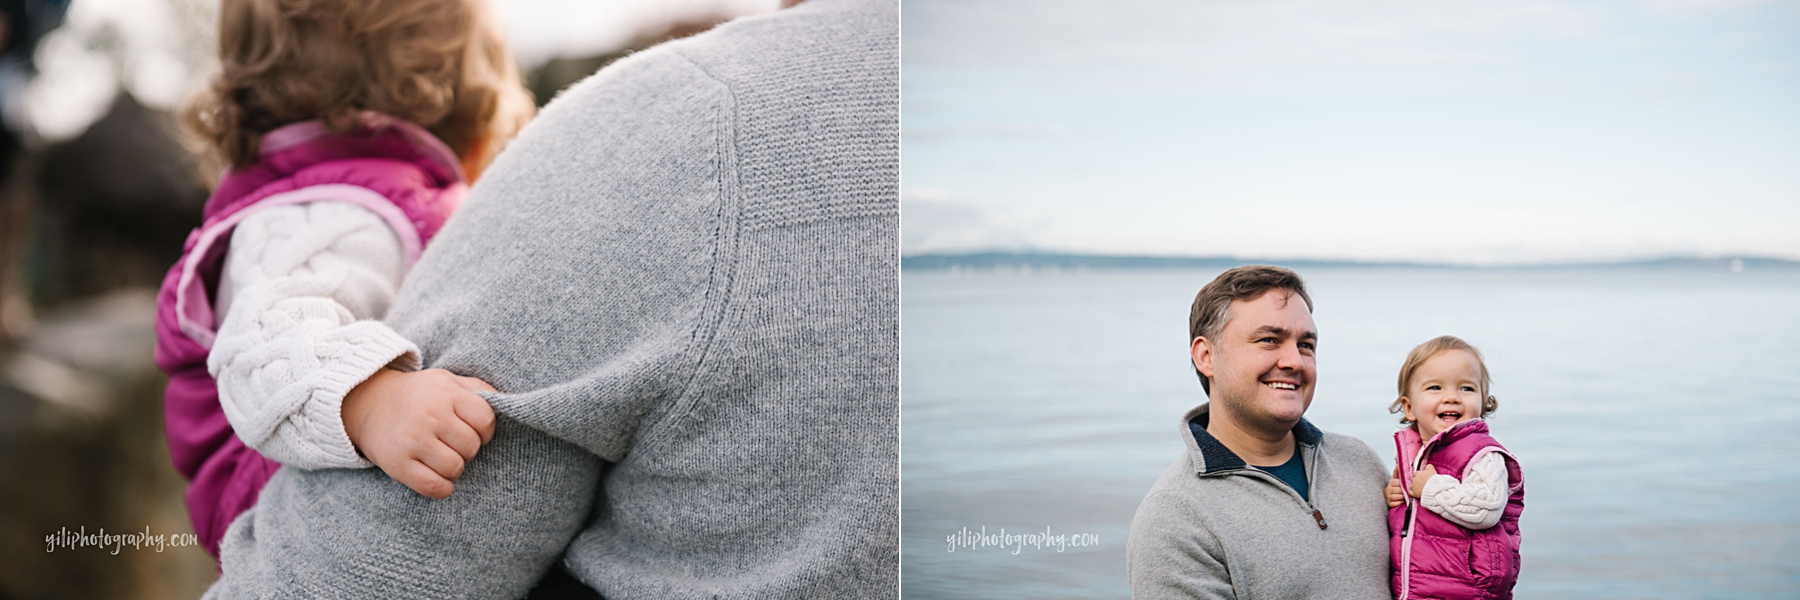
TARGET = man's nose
x,y
1290,357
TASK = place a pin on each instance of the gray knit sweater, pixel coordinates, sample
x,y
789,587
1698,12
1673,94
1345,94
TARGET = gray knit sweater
x,y
683,278
1212,527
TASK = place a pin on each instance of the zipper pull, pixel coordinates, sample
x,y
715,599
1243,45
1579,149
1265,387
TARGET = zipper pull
x,y
1406,523
1317,516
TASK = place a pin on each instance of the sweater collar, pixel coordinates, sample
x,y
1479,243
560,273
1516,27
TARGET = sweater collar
x,y
1209,455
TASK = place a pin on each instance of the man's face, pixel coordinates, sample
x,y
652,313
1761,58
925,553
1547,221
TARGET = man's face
x,y
1262,365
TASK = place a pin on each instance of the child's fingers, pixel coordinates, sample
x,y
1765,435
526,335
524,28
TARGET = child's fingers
x,y
1419,479
477,414
475,385
441,459
421,479
460,437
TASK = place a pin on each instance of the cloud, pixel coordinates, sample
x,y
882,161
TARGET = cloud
x,y
1691,7
933,221
1247,34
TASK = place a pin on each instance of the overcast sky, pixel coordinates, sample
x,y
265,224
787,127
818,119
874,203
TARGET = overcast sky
x,y
1461,131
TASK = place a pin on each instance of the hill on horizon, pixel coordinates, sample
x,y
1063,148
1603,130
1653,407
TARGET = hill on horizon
x,y
1068,261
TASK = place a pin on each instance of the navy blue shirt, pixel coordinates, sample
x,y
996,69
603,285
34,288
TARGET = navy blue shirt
x,y
1293,473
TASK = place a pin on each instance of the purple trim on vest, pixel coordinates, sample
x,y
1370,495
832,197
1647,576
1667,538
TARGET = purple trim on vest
x,y
1436,558
393,168
193,304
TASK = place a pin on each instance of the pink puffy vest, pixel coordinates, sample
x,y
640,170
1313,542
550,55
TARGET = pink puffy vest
x,y
1434,558
394,168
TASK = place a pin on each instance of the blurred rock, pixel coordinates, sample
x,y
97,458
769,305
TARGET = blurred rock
x,y
114,206
81,446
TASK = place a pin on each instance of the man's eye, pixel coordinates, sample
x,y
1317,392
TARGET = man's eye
x,y
1307,345
1267,340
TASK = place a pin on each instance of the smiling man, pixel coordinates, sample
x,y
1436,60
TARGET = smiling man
x,y
1262,504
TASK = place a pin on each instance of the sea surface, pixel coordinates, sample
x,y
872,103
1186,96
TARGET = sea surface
x,y
1656,414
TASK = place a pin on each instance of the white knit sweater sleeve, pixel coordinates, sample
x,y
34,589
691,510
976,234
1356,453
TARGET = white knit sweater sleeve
x,y
1475,502
300,286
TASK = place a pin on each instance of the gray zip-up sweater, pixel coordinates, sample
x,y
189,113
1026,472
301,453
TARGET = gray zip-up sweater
x,y
1213,527
683,278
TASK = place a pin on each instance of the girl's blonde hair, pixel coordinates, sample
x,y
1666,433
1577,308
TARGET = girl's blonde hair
x,y
441,64
1431,348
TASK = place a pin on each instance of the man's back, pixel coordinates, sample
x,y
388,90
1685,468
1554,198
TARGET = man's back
x,y
683,277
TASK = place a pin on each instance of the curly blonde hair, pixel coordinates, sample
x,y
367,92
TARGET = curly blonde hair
x,y
1424,352
441,64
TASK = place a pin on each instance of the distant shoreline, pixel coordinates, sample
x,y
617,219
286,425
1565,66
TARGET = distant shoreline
x,y
1059,262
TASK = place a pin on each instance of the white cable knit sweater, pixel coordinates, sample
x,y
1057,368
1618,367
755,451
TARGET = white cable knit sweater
x,y
297,299
1475,502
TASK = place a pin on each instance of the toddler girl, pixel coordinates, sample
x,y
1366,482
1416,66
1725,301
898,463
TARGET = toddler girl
x,y
349,129
1465,541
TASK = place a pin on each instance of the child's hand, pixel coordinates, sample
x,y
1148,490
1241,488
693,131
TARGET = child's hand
x,y
1395,495
1418,486
419,427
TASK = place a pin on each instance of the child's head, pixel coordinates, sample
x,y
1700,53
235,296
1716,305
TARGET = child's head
x,y
1442,383
440,64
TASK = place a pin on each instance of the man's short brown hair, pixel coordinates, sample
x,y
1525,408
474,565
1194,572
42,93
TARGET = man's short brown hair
x,y
1250,282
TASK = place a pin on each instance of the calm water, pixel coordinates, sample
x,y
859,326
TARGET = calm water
x,y
1656,414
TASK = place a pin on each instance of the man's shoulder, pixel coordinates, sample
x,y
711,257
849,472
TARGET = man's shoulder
x,y
819,41
1173,502
1345,444
1350,455
1178,476
816,31
1182,489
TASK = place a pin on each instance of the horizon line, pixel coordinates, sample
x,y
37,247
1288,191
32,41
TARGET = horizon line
x,y
1734,262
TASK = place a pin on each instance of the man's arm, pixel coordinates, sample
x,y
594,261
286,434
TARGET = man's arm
x,y
1172,555
355,533
583,276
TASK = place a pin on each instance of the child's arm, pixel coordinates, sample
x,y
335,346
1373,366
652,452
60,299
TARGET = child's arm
x,y
1475,502
301,286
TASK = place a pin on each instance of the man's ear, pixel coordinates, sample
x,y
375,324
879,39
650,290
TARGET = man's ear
x,y
1201,352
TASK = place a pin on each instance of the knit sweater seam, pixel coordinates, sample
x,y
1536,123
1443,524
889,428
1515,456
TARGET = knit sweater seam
x,y
721,274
